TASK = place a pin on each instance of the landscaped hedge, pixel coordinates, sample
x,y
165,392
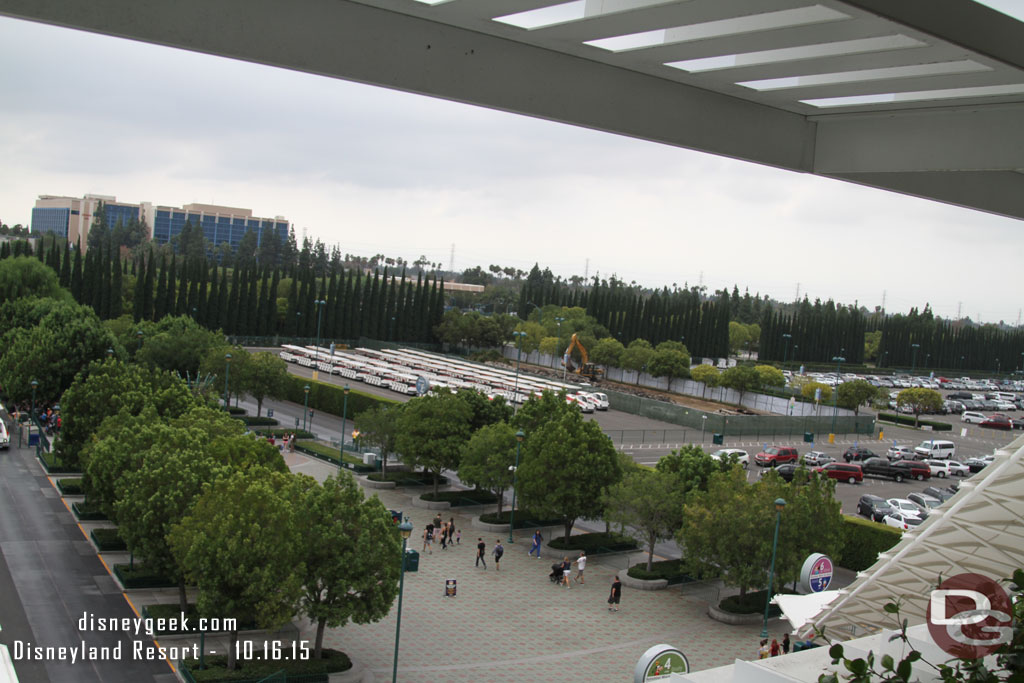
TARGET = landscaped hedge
x,y
71,487
262,421
280,433
407,478
237,410
751,603
325,452
140,577
310,670
87,512
457,498
674,571
330,398
908,421
595,543
107,540
525,519
863,540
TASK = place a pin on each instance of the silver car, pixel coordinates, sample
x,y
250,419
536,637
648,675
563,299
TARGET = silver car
x,y
817,458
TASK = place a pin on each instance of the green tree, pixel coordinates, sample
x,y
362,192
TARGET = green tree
x,y
378,426
24,276
432,431
872,342
693,467
852,395
264,377
919,401
349,546
177,343
738,336
770,376
241,543
487,459
808,390
647,504
671,360
637,355
608,352
742,378
708,375
566,465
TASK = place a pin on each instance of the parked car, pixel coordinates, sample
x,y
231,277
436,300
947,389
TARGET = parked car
x,y
881,467
955,467
771,457
858,454
786,470
914,469
900,453
941,494
901,521
939,468
907,507
5,437
997,422
873,507
741,455
923,501
972,417
817,458
935,448
847,472
978,464
1005,405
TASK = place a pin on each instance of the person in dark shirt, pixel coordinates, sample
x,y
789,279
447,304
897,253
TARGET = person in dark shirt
x,y
481,548
616,594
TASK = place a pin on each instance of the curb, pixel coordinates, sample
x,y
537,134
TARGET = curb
x,y
643,584
490,528
418,502
733,619
371,484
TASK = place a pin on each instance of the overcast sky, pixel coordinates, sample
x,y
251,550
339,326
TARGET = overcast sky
x,y
379,171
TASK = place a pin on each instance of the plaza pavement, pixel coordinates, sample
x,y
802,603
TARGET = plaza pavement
x,y
515,625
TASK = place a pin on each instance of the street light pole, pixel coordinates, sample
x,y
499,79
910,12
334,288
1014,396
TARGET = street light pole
x,y
779,504
913,358
34,384
139,335
227,374
319,303
559,321
344,415
835,395
305,407
519,349
786,336
405,528
514,468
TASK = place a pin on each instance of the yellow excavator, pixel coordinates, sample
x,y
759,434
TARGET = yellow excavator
x,y
585,368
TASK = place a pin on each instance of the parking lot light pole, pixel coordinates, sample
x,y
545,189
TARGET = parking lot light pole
x,y
344,415
779,504
227,374
319,303
405,528
559,321
305,406
34,384
703,422
838,360
786,336
913,358
514,468
519,349
140,335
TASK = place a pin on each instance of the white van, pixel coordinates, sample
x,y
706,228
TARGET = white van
x,y
935,449
5,438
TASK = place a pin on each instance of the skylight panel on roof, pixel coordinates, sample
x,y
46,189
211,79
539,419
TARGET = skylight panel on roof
x,y
792,54
566,12
886,73
815,14
918,96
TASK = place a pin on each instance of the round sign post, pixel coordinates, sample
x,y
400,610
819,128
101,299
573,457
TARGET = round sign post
x,y
816,573
658,663
422,385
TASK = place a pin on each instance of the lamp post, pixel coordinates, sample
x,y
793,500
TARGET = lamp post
x,y
305,406
227,374
519,348
34,384
319,303
344,415
703,422
110,353
913,357
838,360
405,528
514,468
786,336
779,504
139,335
559,321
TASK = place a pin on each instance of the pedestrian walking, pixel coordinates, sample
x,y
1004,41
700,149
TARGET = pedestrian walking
x,y
428,537
775,649
481,548
437,521
537,538
458,537
785,644
497,552
566,571
581,564
763,651
615,595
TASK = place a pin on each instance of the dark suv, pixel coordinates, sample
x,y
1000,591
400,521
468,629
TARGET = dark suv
x,y
873,507
858,454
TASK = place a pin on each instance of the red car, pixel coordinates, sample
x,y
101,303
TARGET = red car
x,y
776,456
997,422
847,472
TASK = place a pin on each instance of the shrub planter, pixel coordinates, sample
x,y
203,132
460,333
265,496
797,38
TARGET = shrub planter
x,y
86,512
71,487
732,618
431,504
598,543
141,578
106,540
490,528
371,484
643,584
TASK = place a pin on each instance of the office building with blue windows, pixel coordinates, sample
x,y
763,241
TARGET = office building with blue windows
x,y
71,218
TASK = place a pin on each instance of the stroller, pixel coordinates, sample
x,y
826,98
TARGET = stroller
x,y
556,572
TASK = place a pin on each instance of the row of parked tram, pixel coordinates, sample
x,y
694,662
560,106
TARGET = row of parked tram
x,y
401,370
